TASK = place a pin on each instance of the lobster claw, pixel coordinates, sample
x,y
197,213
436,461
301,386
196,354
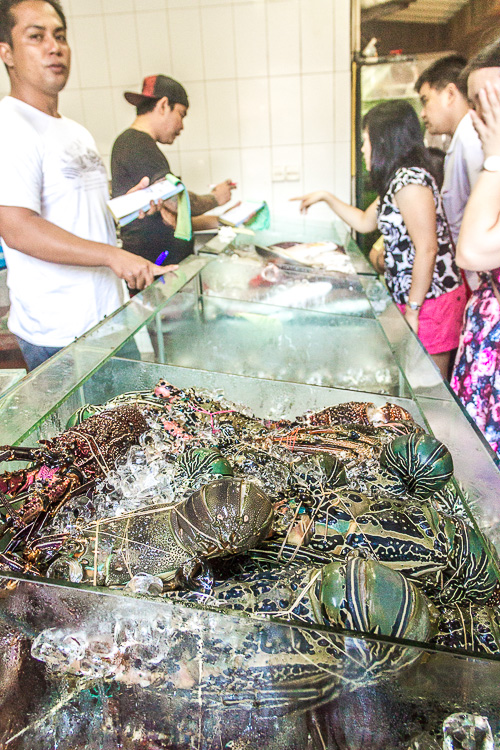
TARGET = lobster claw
x,y
195,574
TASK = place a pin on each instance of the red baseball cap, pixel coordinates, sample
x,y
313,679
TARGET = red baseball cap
x,y
156,87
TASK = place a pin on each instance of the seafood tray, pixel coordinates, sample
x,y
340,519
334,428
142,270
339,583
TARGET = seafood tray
x,y
303,556
257,644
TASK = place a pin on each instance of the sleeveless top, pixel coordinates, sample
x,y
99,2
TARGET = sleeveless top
x,y
399,249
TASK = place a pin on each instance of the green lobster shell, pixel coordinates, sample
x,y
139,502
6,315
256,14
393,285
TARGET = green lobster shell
x,y
321,470
368,596
421,463
224,517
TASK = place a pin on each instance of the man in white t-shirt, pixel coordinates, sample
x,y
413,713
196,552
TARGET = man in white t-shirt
x,y
63,266
446,112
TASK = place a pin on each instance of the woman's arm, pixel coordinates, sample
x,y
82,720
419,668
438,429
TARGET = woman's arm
x,y
360,221
418,211
478,247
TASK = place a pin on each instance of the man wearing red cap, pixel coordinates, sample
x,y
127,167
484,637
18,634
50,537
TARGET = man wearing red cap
x,y
63,266
161,108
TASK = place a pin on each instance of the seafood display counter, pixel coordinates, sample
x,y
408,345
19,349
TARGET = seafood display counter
x,y
219,549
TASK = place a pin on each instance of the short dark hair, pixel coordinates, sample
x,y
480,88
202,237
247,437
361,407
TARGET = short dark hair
x,y
148,105
8,20
396,141
442,72
488,57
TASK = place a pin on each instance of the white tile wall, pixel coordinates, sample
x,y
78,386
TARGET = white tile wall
x,y
84,7
143,5
225,164
155,56
71,105
268,82
250,38
218,46
256,179
195,133
283,34
317,36
122,46
318,108
185,44
254,113
223,119
100,116
286,110
89,40
195,170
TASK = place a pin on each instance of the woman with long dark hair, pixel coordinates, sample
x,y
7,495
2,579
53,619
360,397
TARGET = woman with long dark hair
x,y
418,258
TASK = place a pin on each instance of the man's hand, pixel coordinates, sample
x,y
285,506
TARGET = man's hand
x,y
488,127
168,211
137,272
222,191
153,207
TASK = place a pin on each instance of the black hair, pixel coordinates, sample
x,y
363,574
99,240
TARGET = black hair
x,y
488,57
396,141
148,104
8,19
442,72
437,155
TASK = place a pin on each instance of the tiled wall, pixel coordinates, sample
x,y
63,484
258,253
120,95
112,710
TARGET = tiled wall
x,y
268,83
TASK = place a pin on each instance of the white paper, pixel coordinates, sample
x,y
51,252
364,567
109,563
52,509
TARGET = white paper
x,y
126,208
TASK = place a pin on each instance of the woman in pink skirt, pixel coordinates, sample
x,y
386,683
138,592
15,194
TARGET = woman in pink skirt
x,y
418,257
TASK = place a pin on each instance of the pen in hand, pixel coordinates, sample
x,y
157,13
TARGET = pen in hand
x,y
160,261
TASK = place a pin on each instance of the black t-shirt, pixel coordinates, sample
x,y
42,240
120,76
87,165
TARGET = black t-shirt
x,y
135,155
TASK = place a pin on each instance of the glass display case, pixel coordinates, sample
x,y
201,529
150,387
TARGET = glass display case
x,y
84,666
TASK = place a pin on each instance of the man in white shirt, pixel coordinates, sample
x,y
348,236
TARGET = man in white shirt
x,y
445,111
64,268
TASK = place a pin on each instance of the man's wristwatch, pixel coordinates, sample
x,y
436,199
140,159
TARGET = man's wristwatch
x,y
492,163
413,305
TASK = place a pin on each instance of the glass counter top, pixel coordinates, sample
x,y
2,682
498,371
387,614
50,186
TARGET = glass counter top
x,y
300,229
9,377
251,278
279,343
97,669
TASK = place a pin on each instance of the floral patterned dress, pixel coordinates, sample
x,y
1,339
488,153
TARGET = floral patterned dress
x,y
476,375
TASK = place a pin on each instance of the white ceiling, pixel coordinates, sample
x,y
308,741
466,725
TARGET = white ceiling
x,y
427,11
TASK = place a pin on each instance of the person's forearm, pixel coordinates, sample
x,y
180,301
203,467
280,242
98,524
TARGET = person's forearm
x,y
422,272
29,233
202,203
355,217
478,247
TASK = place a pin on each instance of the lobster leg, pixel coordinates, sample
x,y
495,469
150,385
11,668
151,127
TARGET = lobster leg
x,y
17,453
6,503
